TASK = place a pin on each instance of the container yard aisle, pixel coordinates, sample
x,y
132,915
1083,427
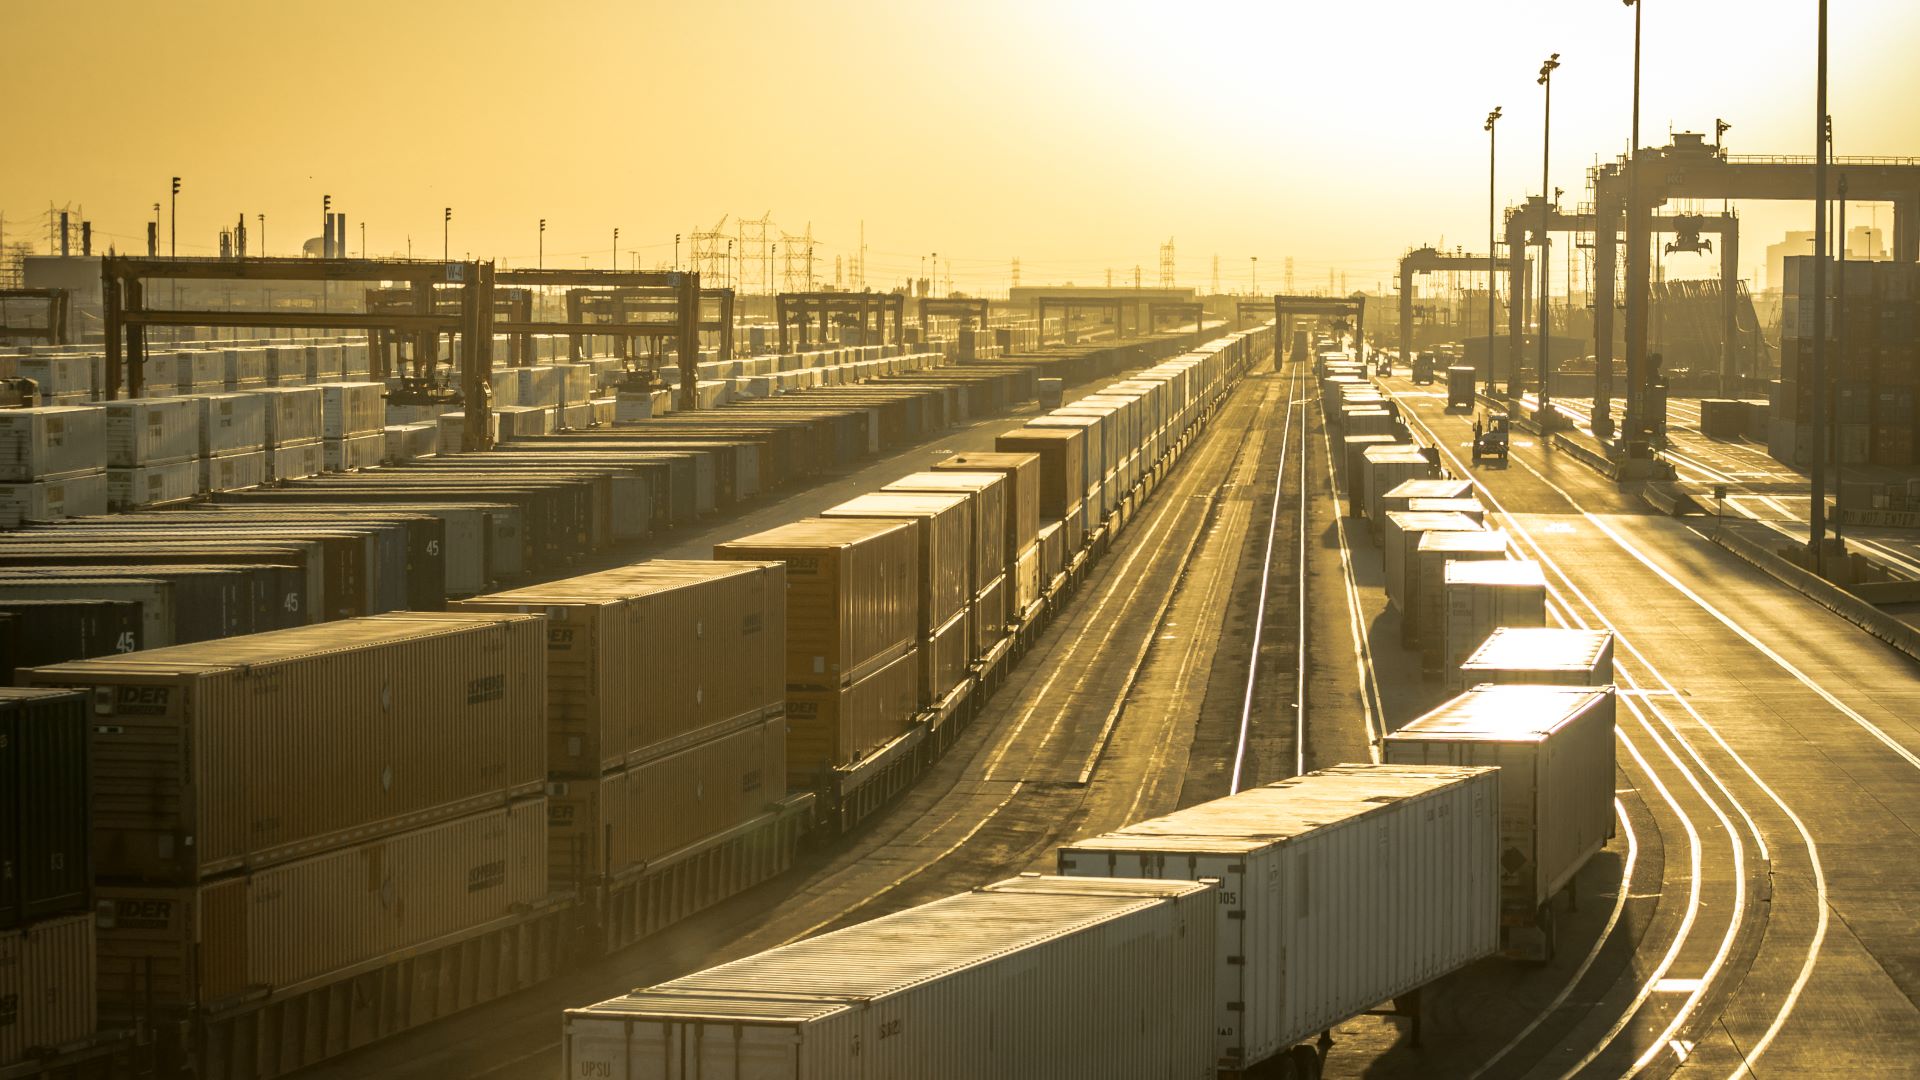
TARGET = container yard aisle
x,y
1797,731
1088,734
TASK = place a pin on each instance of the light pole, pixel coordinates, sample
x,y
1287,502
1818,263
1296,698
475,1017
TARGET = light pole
x,y
1255,261
616,247
1493,265
676,251
1817,507
1546,211
173,221
263,236
326,226
1636,244
540,259
446,231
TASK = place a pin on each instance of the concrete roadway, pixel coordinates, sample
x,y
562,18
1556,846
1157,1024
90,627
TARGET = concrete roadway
x,y
1771,754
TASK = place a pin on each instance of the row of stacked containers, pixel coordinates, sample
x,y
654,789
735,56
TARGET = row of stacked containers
x,y
1872,358
445,802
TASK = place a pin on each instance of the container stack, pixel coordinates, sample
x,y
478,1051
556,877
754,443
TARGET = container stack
x,y
666,707
153,451
943,526
1483,595
986,494
244,369
47,960
1549,656
1022,473
1872,363
272,810
353,425
293,422
852,667
1062,478
1426,583
52,463
233,441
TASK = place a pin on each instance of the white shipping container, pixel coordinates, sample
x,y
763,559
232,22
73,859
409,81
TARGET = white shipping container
x,y
1073,980
292,414
151,431
232,423
297,460
286,365
1481,597
355,451
1554,748
231,472
40,444
151,485
406,442
202,368
1551,655
352,408
1339,890
244,367
1386,467
79,495
1400,539
540,385
57,375
453,431
325,362
1426,593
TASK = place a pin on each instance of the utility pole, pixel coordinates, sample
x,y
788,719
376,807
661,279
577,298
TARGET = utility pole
x,y
446,232
1493,263
616,247
1256,273
1817,515
1546,213
263,236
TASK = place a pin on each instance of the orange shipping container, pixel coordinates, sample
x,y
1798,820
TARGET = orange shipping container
x,y
852,595
830,728
655,654
943,523
301,922
47,972
944,658
1022,471
1063,476
257,749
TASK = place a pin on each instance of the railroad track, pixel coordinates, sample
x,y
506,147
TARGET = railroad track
x,y
1058,753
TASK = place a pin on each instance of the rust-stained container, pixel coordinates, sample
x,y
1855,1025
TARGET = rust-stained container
x,y
655,653
852,595
1022,471
257,749
988,499
1063,474
298,924
47,973
943,524
830,728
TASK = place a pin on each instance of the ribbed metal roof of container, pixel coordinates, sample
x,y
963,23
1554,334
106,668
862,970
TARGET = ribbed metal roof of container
x,y
273,646
1495,572
818,533
1266,815
1417,520
1489,540
813,978
623,582
1534,648
1517,713
1429,489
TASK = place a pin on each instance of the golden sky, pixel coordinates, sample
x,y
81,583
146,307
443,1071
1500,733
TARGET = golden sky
x,y
1076,136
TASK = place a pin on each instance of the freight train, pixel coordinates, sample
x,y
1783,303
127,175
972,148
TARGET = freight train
x,y
313,837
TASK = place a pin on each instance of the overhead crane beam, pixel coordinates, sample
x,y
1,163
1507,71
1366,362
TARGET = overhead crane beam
x,y
804,309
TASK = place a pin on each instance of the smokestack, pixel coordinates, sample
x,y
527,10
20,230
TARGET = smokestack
x,y
226,244
86,238
63,234
153,239
240,237
340,235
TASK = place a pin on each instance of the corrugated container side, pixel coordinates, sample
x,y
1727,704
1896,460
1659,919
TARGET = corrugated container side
x,y
304,920
47,979
943,524
151,431
44,800
829,728
1480,601
51,442
232,424
690,794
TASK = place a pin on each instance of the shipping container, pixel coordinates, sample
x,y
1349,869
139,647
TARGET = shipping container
x,y
1063,476
831,728
852,594
1467,505
55,631
1483,595
1562,657
233,472
1354,466
51,443
987,497
1402,494
206,757
1076,980
1022,471
1400,548
292,414
153,485
1339,890
1385,467
77,495
295,461
645,656
232,424
1426,583
1553,746
151,431
289,926
44,868
943,523
362,451
47,981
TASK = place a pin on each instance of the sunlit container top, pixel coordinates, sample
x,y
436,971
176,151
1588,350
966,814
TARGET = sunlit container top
x,y
1263,816
1478,541
1532,648
1519,713
1514,572
1429,489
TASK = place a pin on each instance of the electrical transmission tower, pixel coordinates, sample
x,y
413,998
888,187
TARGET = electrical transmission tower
x,y
796,260
1214,289
1289,273
756,254
1016,271
1166,264
710,252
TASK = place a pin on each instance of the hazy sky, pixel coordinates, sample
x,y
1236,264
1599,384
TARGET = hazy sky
x,y
1075,136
